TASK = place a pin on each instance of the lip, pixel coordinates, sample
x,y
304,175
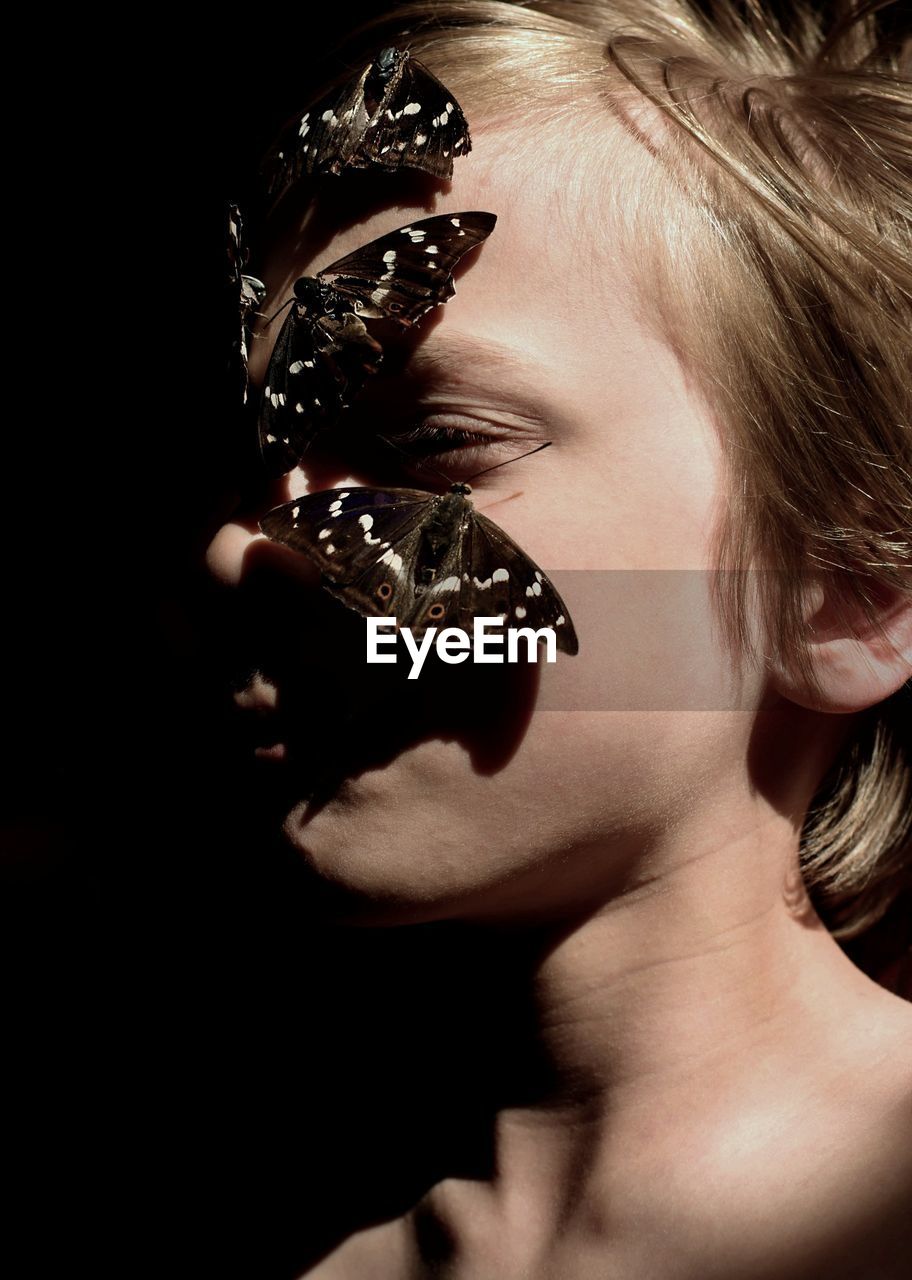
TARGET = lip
x,y
259,697
257,724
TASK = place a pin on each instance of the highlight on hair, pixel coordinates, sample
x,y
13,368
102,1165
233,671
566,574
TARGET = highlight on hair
x,y
774,236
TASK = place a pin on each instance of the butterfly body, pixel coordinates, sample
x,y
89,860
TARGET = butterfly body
x,y
324,352
380,75
321,359
393,114
445,523
424,559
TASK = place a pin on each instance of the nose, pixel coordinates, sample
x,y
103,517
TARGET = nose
x,y
238,551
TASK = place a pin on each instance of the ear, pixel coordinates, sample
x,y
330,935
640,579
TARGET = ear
x,y
855,661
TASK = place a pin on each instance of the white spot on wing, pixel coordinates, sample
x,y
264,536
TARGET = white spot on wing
x,y
394,561
501,575
411,108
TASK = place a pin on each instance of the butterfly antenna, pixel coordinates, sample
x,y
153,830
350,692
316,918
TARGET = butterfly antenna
x,y
416,462
528,454
280,310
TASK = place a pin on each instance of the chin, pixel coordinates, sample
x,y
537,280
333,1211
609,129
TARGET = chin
x,y
398,840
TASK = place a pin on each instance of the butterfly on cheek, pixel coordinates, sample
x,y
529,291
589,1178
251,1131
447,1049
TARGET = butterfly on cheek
x,y
393,114
324,352
246,292
423,559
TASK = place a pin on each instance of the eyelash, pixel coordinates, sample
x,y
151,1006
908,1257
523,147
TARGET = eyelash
x,y
396,447
433,439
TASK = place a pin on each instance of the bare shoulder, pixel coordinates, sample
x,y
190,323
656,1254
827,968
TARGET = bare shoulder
x,y
879,1047
806,1173
376,1253
830,1191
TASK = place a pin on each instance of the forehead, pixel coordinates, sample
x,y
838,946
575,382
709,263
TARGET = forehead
x,y
552,269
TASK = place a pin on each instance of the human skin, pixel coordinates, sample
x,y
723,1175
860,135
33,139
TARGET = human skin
x,y
727,1094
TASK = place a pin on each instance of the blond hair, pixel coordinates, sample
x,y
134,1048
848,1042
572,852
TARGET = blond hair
x,y
779,265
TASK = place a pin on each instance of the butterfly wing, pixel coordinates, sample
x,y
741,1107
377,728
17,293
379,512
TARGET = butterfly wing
x,y
402,275
486,575
364,541
371,546
246,294
418,124
395,113
321,139
318,365
518,586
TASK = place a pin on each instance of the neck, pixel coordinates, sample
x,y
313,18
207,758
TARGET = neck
x,y
636,1020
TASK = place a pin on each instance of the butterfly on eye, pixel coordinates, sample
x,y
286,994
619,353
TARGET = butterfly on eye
x,y
246,295
324,352
423,559
393,114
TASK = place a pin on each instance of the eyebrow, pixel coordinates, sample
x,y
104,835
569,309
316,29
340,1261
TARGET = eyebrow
x,y
440,354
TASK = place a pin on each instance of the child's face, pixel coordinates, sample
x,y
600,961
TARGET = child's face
x,y
494,798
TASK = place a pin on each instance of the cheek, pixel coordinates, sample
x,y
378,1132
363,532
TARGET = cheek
x,y
566,821
649,641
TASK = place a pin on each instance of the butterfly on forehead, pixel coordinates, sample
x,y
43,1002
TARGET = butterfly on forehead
x,y
324,352
424,559
393,114
246,295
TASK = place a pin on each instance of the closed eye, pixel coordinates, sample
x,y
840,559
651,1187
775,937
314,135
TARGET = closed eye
x,y
454,449
432,450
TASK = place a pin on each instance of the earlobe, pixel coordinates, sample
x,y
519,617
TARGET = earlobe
x,y
854,661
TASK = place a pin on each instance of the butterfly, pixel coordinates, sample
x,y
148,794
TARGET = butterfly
x,y
424,559
246,292
393,114
324,352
